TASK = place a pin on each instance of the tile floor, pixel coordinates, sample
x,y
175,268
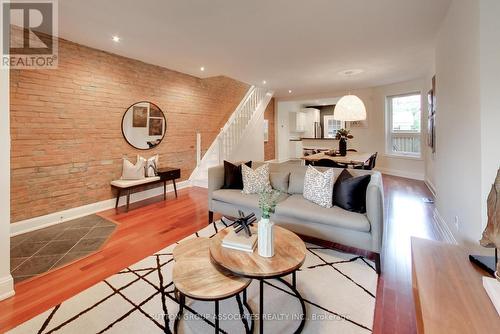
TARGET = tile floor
x,y
37,252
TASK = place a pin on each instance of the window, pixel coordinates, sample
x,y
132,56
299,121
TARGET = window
x,y
403,133
331,126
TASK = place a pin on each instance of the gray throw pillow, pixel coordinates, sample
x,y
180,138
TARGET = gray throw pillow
x,y
280,180
318,186
296,185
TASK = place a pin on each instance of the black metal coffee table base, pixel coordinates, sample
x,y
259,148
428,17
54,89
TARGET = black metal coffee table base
x,y
249,328
293,288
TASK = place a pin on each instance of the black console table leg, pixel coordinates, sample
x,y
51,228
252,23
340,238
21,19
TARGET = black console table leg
x,y
175,188
165,190
128,199
294,279
118,198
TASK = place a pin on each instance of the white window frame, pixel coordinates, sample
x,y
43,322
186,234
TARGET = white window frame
x,y
326,118
390,134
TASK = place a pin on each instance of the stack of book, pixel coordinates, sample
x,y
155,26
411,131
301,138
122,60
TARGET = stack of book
x,y
240,241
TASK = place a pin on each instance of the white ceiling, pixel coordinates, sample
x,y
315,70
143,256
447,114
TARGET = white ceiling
x,y
292,44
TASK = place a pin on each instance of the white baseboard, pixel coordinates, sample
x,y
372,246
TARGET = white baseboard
x,y
199,183
443,228
6,287
431,186
36,223
401,173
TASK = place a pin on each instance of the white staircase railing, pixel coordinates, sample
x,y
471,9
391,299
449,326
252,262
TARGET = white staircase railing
x,y
231,134
251,106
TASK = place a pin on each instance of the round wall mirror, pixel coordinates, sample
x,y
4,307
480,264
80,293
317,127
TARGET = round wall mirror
x,y
144,125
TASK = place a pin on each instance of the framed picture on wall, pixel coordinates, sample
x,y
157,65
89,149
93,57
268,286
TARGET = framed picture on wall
x,y
266,131
431,120
155,126
140,117
154,111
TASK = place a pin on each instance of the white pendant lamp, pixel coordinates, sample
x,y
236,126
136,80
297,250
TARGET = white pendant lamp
x,y
349,108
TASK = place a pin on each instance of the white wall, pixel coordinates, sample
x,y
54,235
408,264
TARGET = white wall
x,y
6,282
490,95
456,167
251,146
372,138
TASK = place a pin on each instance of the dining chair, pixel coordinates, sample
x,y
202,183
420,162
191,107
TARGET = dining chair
x,y
371,163
328,163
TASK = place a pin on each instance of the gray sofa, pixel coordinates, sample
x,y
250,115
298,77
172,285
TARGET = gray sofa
x,y
360,231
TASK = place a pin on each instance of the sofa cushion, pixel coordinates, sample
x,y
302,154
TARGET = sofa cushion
x,y
280,180
318,186
298,207
256,181
296,185
349,192
131,183
237,198
232,175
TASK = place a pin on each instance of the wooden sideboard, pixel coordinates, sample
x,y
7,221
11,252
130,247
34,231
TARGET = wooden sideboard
x,y
448,291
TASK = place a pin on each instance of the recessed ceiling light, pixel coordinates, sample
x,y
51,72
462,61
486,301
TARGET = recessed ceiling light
x,y
289,91
202,69
116,39
264,82
351,72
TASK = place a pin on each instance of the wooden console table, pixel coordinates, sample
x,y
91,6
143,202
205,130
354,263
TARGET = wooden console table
x,y
448,291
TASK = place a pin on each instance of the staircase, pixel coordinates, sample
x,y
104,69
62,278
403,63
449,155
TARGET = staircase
x,y
238,127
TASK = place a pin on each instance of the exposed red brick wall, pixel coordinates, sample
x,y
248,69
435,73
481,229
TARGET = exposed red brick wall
x,y
67,143
270,146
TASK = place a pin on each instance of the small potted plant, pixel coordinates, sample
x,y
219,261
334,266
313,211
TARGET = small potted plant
x,y
342,136
267,205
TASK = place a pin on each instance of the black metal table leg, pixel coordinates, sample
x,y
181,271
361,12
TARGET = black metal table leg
x,y
216,316
294,280
165,190
182,302
261,307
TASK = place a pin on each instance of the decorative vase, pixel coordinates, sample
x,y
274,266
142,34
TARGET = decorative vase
x,y
266,238
343,147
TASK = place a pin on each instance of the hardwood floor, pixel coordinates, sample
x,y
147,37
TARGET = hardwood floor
x,y
153,224
406,216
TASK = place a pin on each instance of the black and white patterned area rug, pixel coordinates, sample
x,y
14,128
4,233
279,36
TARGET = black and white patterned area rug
x,y
338,290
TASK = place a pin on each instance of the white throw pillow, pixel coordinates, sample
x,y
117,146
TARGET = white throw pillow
x,y
318,186
131,171
255,181
150,165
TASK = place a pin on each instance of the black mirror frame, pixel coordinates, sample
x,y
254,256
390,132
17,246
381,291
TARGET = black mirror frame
x,y
164,133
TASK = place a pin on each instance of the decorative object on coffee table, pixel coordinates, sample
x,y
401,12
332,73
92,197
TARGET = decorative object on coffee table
x,y
267,204
243,223
342,136
290,254
491,234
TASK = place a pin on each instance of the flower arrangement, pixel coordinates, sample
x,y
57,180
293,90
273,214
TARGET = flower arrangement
x,y
267,202
344,134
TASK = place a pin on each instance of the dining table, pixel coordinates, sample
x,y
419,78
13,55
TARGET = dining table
x,y
351,158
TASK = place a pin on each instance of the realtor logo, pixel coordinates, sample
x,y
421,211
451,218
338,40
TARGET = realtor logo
x,y
29,34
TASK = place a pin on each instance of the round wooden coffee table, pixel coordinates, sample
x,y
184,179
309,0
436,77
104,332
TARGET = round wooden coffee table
x,y
289,255
196,277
